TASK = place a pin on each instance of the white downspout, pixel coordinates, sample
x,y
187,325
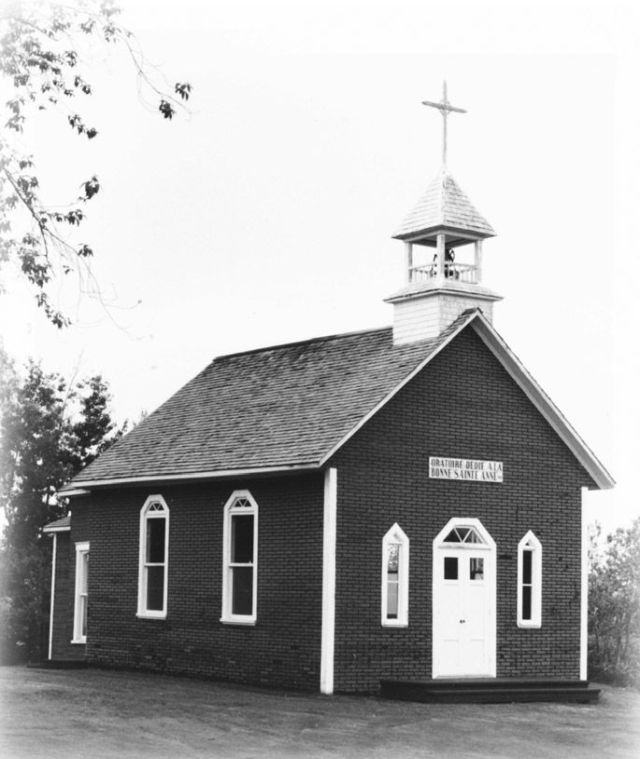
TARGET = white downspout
x,y
53,593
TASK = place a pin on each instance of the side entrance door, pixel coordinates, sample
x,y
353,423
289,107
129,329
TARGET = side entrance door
x,y
464,601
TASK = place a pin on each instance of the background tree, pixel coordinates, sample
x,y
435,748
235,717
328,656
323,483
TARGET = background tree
x,y
49,430
41,65
614,604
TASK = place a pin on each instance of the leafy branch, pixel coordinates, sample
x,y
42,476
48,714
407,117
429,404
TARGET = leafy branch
x,y
41,64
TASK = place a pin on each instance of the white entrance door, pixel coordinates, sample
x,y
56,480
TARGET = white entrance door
x,y
464,622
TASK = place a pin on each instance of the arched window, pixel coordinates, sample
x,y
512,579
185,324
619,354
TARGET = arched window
x,y
529,581
240,559
395,578
154,558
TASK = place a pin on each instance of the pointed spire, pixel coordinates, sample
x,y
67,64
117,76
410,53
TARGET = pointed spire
x,y
444,207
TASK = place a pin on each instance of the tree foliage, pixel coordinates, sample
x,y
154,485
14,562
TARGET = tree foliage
x,y
614,604
42,68
49,430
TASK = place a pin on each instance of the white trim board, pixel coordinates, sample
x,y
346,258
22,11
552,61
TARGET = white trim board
x,y
328,580
584,591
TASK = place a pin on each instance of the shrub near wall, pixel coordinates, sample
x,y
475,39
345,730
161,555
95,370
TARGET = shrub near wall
x,y
614,605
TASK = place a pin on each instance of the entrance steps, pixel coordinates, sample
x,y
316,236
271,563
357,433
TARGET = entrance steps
x,y
489,690
58,664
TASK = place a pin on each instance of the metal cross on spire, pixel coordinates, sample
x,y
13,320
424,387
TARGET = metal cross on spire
x,y
445,108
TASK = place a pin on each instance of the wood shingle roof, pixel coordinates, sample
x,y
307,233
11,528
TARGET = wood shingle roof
x,y
444,204
278,407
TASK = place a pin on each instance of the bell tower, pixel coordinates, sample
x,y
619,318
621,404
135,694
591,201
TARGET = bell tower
x,y
443,238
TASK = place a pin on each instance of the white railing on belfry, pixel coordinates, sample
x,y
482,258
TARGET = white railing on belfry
x,y
466,273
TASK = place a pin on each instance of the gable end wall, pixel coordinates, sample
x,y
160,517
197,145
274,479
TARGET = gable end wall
x,y
465,405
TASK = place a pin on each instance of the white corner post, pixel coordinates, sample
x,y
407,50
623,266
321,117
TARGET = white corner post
x,y
53,593
478,260
584,589
440,255
328,580
408,255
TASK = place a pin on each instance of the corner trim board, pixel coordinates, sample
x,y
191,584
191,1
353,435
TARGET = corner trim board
x,y
584,591
328,580
54,557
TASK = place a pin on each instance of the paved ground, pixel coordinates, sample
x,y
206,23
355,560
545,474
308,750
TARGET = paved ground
x,y
103,715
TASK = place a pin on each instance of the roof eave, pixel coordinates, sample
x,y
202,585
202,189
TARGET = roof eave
x,y
559,423
86,486
414,235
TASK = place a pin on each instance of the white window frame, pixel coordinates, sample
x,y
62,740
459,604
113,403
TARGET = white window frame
x,y
396,535
82,553
228,617
146,514
530,543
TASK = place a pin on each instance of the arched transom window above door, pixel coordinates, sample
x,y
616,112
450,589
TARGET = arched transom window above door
x,y
464,534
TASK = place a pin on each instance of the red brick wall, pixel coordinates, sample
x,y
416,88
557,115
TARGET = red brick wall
x,y
283,648
462,405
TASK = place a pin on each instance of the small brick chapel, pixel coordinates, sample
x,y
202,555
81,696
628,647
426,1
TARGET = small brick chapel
x,y
397,505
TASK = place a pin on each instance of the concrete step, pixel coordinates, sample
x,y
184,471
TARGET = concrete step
x,y
489,690
58,664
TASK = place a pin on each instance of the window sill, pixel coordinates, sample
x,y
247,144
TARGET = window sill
x,y
529,625
388,623
247,621
79,642
150,615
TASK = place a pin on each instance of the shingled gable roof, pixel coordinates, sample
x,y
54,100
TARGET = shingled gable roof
x,y
291,407
283,407
444,204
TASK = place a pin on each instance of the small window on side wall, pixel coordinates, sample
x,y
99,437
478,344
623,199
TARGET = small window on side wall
x,y
81,593
240,559
529,581
395,578
154,558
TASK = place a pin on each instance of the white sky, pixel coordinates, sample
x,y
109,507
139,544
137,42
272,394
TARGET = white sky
x,y
266,215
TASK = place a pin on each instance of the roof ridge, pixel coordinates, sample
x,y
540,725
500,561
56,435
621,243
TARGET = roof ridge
x,y
321,338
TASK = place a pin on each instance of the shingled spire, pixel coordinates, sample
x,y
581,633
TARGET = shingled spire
x,y
440,284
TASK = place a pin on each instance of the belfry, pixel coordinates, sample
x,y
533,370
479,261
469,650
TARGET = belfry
x,y
443,276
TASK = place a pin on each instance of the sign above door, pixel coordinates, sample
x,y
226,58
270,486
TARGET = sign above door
x,y
441,468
